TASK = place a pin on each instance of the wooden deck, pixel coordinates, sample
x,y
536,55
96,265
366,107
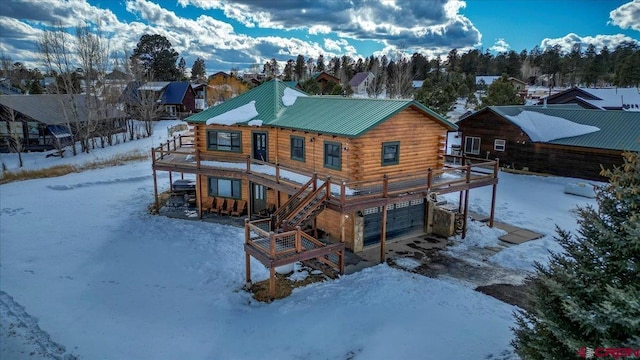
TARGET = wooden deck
x,y
345,195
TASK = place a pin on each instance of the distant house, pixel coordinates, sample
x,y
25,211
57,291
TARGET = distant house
x,y
173,99
325,81
223,86
561,140
360,82
518,84
40,121
627,99
201,96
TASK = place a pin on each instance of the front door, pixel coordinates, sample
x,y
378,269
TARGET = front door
x,y
260,146
258,198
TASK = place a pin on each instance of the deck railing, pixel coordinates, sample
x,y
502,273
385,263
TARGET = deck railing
x,y
341,192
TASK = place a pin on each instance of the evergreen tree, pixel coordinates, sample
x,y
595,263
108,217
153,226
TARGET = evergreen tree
x,y
182,69
320,64
301,68
589,294
157,58
501,92
198,70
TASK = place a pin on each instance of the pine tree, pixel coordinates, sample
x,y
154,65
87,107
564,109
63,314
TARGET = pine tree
x,y
589,296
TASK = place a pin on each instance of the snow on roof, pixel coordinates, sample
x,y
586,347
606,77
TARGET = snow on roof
x,y
243,113
255,123
626,98
290,96
154,85
544,128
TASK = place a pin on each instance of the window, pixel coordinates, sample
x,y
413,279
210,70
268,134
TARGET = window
x,y
297,148
224,141
225,187
332,155
472,145
171,110
499,145
390,153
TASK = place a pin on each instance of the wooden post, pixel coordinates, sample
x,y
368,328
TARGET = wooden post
x,y
197,159
272,245
342,217
343,193
247,258
248,164
199,196
429,178
272,283
328,187
171,180
496,169
155,191
277,173
298,243
385,185
342,262
466,203
383,235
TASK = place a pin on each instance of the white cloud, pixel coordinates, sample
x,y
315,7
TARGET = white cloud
x,y
500,46
627,16
599,41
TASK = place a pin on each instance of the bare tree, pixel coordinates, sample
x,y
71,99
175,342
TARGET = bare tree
x,y
400,79
55,49
93,55
377,84
15,133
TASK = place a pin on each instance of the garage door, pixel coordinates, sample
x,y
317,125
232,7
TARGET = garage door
x,y
402,218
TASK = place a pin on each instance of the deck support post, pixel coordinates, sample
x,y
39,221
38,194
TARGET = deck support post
x,y
155,191
466,203
171,180
247,257
198,196
496,169
342,219
272,283
383,234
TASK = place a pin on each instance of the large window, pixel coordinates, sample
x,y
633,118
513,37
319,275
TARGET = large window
x,y
224,140
297,148
472,145
499,144
229,188
332,155
390,153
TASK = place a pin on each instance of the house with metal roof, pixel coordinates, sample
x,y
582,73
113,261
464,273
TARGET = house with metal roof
x,y
169,99
360,82
627,99
563,140
351,171
48,121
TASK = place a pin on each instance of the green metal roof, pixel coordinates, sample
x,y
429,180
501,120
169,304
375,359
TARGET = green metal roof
x,y
619,130
335,115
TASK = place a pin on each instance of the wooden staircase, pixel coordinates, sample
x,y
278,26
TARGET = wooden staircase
x,y
302,207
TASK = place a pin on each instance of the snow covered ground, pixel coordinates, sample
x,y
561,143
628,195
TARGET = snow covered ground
x,y
85,271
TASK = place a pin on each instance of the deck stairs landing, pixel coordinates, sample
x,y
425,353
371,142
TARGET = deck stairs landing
x,y
279,240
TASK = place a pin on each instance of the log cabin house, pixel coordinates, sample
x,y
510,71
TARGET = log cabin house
x,y
325,172
564,140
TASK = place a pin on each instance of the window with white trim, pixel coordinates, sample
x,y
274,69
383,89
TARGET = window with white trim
x,y
472,145
499,144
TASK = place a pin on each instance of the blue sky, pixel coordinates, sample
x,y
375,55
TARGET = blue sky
x,y
239,33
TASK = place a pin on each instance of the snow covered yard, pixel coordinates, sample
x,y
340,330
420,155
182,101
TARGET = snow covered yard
x,y
99,276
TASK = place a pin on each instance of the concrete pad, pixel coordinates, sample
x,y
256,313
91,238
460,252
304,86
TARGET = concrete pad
x,y
519,236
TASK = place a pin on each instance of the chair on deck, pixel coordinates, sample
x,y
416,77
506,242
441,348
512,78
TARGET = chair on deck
x,y
218,205
241,208
207,204
231,206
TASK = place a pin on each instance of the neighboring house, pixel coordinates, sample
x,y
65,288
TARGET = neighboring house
x,y
326,81
360,82
223,86
627,99
487,80
201,96
174,99
40,122
321,167
7,89
563,140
